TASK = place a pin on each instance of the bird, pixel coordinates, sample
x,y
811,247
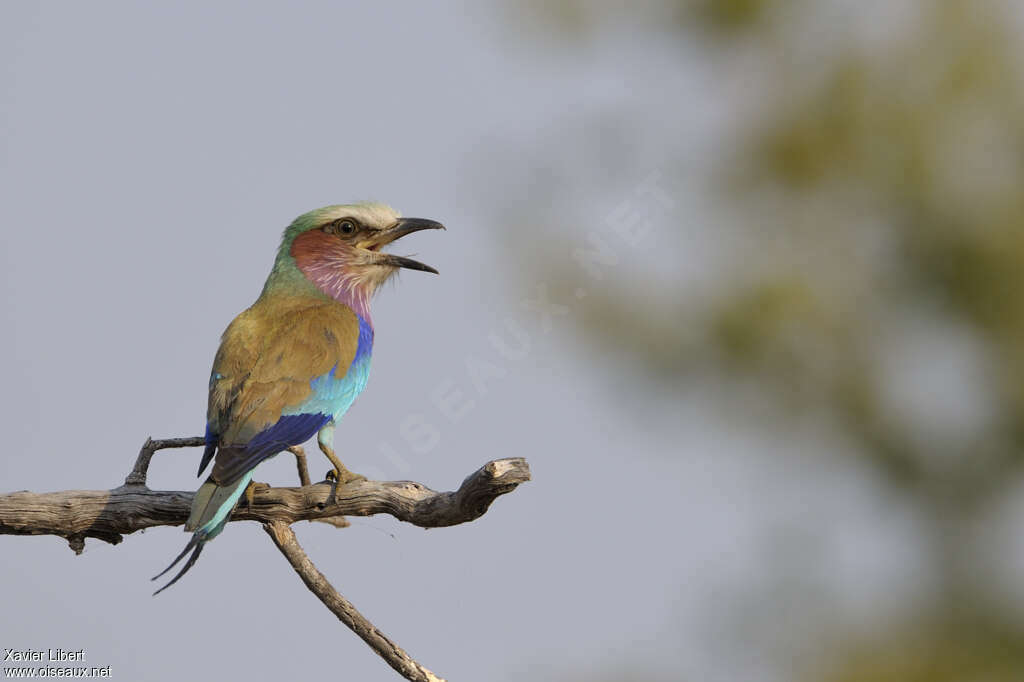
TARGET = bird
x,y
291,365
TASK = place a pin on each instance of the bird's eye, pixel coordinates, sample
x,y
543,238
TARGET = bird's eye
x,y
343,226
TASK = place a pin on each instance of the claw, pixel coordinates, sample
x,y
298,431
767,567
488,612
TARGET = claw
x,y
250,492
339,473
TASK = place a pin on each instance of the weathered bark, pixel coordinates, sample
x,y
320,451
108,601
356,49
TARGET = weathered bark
x,y
108,515
284,538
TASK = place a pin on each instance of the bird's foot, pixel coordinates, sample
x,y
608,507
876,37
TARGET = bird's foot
x,y
343,476
252,489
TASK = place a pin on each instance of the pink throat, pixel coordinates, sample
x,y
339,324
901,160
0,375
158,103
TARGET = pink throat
x,y
324,262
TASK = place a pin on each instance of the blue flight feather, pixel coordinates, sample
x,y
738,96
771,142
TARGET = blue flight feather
x,y
289,430
211,449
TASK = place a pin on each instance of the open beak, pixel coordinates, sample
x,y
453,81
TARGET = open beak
x,y
399,229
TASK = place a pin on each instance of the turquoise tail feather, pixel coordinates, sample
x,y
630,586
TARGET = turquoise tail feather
x,y
211,507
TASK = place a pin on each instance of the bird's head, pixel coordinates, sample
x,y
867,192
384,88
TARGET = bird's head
x,y
339,248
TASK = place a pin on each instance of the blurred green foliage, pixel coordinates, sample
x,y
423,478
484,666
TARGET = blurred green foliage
x,y
952,654
727,16
880,182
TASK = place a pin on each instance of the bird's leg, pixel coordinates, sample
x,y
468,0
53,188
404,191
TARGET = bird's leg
x,y
340,474
300,464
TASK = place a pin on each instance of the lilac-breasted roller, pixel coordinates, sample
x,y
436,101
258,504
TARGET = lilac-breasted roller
x,y
292,364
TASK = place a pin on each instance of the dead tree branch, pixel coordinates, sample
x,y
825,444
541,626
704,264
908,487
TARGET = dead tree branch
x,y
108,515
284,538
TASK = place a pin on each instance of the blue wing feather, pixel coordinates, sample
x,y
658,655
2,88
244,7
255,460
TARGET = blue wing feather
x,y
289,430
211,448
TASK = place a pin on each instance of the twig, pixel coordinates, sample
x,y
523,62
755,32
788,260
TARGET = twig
x,y
300,463
395,656
137,476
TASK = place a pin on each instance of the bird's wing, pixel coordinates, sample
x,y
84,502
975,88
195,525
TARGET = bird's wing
x,y
266,365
